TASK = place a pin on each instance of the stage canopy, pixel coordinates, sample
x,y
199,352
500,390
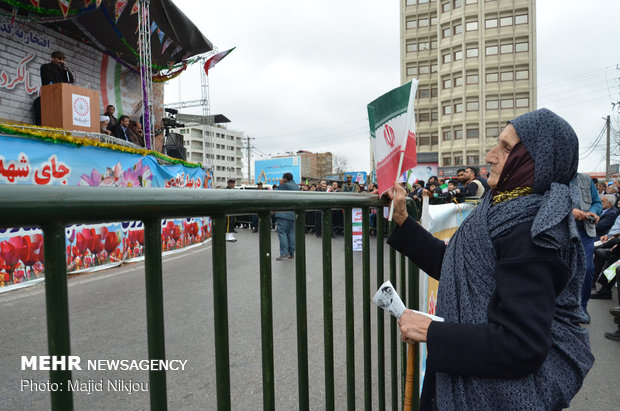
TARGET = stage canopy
x,y
113,29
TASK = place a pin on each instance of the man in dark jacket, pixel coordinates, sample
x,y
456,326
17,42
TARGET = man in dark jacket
x,y
285,221
121,130
52,73
608,216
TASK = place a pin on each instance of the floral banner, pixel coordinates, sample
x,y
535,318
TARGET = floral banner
x,y
92,247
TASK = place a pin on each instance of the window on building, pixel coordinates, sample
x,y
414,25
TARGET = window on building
x,y
458,55
434,115
507,76
458,108
473,159
411,2
433,44
425,69
521,47
491,50
434,139
521,19
508,103
458,81
446,58
445,32
424,93
522,74
447,135
471,26
522,102
506,48
457,29
492,132
471,1
473,133
424,116
411,47
412,24
457,3
424,45
433,68
424,22
505,21
447,83
472,106
446,7
433,20
492,104
458,134
434,92
492,77
490,23
472,52
458,160
422,1
472,79
447,161
424,140
412,71
447,109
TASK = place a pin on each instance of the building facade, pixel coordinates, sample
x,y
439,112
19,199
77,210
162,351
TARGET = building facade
x,y
215,146
475,61
315,165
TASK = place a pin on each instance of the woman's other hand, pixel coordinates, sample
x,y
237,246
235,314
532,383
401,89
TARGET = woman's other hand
x,y
398,196
413,327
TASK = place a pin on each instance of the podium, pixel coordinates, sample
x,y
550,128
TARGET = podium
x,y
70,107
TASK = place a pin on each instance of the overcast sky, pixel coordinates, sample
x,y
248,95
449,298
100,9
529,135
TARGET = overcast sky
x,y
304,71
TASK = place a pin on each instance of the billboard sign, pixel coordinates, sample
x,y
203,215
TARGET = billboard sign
x,y
270,171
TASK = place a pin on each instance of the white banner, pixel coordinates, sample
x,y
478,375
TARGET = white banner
x,y
80,110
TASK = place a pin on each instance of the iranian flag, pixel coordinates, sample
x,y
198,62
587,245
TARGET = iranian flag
x,y
392,130
212,61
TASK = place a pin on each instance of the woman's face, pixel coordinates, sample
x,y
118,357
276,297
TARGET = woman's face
x,y
498,154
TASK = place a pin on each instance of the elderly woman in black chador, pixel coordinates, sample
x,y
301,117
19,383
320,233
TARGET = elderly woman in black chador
x,y
510,281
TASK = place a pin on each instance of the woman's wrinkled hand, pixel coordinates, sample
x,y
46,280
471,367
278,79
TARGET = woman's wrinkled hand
x,y
398,195
413,327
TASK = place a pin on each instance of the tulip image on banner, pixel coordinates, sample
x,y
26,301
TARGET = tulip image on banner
x,y
392,129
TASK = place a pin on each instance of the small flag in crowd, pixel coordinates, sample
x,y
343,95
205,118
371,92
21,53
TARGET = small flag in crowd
x,y
119,7
135,8
392,130
212,61
444,187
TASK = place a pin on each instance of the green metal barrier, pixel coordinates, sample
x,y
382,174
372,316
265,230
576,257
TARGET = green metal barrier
x,y
53,208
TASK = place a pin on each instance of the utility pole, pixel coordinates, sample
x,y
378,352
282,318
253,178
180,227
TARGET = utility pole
x,y
607,123
249,157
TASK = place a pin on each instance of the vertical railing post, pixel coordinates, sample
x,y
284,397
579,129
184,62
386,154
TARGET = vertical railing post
x,y
266,305
220,311
328,313
414,302
366,297
57,309
393,333
403,346
349,306
380,313
155,311
302,309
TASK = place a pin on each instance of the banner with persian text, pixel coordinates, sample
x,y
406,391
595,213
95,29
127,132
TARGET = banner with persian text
x,y
25,161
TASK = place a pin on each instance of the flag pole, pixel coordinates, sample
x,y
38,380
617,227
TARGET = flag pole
x,y
400,166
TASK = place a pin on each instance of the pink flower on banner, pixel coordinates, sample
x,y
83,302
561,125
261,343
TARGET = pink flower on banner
x,y
93,180
112,176
167,43
119,7
130,178
65,5
35,2
144,173
135,8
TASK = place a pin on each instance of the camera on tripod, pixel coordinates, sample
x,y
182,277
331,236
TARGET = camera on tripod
x,y
170,121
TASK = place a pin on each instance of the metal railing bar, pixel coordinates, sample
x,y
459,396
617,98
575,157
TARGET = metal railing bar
x,y
20,205
380,313
403,346
57,310
366,307
328,313
302,310
220,313
414,299
266,303
155,311
349,307
393,334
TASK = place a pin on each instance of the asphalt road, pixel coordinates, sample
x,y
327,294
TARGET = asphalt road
x,y
107,315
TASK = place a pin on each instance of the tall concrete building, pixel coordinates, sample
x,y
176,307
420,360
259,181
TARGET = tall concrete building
x,y
475,61
224,151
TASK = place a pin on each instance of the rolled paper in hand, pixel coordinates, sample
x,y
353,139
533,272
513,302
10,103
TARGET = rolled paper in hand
x,y
387,298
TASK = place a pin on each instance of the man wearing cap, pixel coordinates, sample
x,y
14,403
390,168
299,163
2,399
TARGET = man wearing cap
x,y
56,71
285,221
52,73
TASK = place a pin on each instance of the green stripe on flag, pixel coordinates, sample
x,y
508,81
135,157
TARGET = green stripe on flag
x,y
381,110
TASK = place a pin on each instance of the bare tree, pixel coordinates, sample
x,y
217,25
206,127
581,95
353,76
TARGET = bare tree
x,y
340,164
